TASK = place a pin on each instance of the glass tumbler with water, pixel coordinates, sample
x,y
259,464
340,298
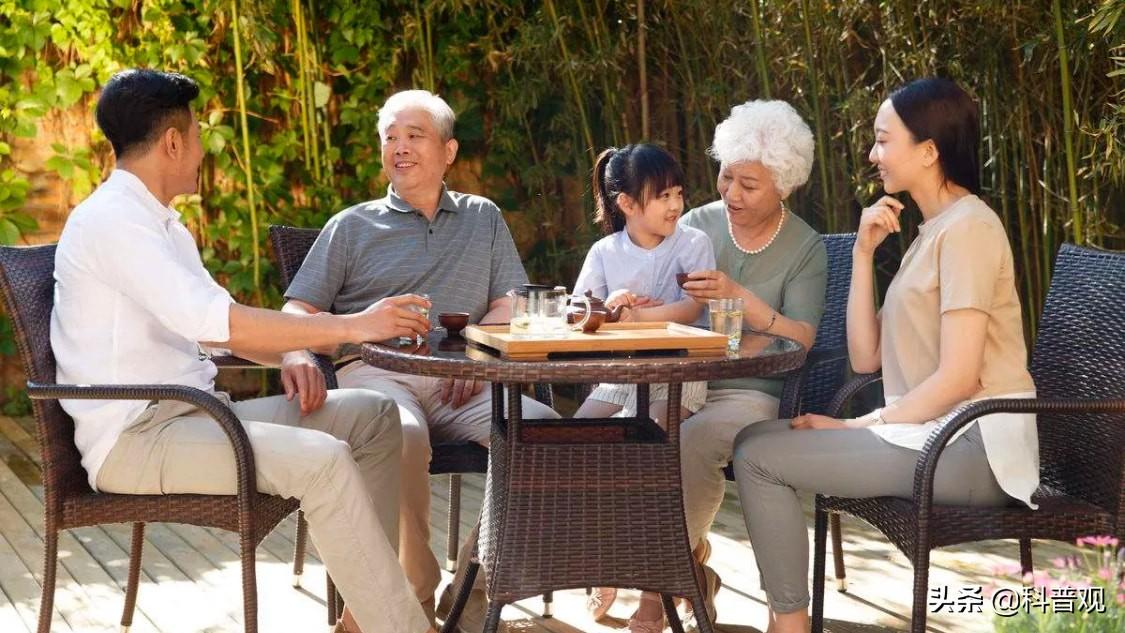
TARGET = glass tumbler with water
x,y
416,339
726,318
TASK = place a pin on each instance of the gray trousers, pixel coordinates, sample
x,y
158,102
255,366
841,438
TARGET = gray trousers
x,y
772,462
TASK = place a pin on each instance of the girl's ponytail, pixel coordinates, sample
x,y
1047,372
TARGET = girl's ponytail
x,y
606,211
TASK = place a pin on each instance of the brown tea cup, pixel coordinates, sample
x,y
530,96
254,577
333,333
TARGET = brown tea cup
x,y
453,322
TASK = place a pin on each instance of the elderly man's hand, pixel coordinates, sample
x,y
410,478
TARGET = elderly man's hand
x,y
712,284
458,392
390,317
301,378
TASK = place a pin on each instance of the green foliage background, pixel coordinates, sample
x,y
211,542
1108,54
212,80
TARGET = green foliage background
x,y
541,86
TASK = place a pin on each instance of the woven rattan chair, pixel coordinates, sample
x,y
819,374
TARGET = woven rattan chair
x,y
290,246
27,283
1079,370
810,389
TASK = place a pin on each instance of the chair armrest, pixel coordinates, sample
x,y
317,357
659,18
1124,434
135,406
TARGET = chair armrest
x,y
795,380
324,363
222,414
236,362
962,416
849,390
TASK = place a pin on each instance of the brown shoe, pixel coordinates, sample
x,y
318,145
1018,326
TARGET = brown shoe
x,y
712,584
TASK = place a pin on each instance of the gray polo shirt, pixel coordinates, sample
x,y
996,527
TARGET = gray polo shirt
x,y
464,259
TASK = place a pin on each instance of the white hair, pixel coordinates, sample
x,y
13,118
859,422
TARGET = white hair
x,y
772,133
438,109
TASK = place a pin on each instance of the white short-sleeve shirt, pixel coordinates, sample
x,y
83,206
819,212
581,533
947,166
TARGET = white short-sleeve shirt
x,y
132,303
615,262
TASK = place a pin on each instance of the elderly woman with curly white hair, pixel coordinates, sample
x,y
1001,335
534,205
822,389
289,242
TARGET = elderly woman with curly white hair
x,y
776,263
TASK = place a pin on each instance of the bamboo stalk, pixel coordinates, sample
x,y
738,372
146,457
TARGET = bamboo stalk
x,y
575,92
821,140
759,49
646,131
1077,223
302,84
248,165
600,48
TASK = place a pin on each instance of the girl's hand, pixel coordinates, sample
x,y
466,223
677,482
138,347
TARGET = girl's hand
x,y
621,297
816,421
876,223
712,284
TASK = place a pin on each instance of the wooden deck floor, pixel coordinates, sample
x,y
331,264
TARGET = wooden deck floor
x,y
191,579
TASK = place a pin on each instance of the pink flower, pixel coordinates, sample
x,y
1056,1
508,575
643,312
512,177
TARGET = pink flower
x,y
1098,541
1105,573
1060,563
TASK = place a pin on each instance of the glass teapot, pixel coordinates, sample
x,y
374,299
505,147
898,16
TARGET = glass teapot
x,y
539,311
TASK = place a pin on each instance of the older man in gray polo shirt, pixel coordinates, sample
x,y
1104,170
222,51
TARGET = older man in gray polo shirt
x,y
419,238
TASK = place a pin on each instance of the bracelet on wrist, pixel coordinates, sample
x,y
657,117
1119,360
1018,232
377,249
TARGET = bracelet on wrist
x,y
773,319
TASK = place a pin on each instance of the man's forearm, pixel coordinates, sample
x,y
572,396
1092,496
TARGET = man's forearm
x,y
255,332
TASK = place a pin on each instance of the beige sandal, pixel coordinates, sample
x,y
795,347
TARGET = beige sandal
x,y
599,601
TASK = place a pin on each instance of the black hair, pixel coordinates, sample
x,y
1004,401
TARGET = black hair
x,y
638,171
939,110
138,105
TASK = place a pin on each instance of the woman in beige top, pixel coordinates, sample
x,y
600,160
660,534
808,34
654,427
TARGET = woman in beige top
x,y
949,332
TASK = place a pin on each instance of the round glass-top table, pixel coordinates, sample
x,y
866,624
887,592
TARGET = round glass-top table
x,y
454,357
583,502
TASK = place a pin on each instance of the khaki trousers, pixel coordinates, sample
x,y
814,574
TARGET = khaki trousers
x,y
706,446
342,462
424,418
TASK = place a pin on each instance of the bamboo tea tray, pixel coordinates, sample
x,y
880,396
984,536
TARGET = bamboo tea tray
x,y
610,338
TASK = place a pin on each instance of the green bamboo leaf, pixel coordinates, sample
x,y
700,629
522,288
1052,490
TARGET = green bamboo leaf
x,y
9,232
321,93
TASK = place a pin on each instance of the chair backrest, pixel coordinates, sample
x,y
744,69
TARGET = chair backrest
x,y
27,284
290,245
1080,353
824,380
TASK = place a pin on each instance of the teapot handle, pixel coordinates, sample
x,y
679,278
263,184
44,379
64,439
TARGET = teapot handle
x,y
577,327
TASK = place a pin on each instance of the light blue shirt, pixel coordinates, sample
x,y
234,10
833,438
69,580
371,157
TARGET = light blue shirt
x,y
615,262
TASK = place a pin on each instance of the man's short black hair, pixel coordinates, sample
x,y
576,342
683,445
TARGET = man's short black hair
x,y
137,105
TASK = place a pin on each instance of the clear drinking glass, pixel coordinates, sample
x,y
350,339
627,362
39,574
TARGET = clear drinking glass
x,y
520,326
726,318
417,339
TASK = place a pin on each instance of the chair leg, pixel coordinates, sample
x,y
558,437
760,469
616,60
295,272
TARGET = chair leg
x,y
454,523
670,613
50,565
548,603
299,548
330,600
921,590
249,585
838,552
820,529
135,556
462,597
1025,555
492,618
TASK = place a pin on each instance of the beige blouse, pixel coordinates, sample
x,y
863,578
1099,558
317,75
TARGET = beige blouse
x,y
961,259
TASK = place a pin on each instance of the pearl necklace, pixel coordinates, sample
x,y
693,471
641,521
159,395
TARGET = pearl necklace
x,y
755,251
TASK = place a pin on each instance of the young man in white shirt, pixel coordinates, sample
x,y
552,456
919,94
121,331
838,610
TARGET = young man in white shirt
x,y
134,305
